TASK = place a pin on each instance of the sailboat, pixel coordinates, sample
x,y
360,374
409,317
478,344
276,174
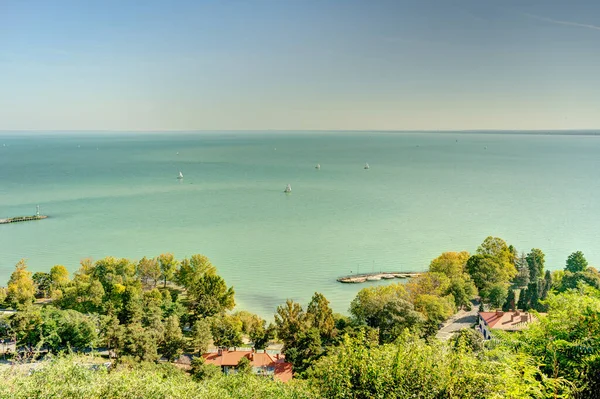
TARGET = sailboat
x,y
318,166
288,189
366,166
180,176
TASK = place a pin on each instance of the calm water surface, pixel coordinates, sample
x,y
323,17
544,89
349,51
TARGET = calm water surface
x,y
425,193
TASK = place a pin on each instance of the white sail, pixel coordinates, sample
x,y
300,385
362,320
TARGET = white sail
x,y
288,189
180,175
366,166
318,166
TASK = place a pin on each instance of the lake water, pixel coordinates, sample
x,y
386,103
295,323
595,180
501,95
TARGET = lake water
x,y
425,193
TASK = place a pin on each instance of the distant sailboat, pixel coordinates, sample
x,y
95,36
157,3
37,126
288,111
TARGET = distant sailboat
x,y
366,166
288,189
180,176
318,167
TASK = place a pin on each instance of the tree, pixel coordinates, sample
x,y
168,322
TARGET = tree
x,y
452,264
496,248
173,342
510,302
565,342
496,295
21,288
290,321
148,270
369,302
397,315
244,366
320,316
428,283
462,290
576,262
201,335
202,371
436,309
547,284
486,271
139,343
535,261
194,268
522,277
209,296
131,310
42,283
306,350
226,331
524,298
168,266
59,277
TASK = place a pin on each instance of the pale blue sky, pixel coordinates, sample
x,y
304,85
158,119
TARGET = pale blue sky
x,y
287,64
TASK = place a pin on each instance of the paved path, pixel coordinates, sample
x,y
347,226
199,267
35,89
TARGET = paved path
x,y
460,320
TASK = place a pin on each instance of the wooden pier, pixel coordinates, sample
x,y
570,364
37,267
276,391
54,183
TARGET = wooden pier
x,y
362,277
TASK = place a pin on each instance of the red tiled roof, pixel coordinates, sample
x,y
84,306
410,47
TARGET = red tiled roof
x,y
283,370
507,320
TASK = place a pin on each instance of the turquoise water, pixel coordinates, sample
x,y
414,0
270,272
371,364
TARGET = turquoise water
x,y
425,193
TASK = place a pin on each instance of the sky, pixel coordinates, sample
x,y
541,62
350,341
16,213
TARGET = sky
x,y
299,65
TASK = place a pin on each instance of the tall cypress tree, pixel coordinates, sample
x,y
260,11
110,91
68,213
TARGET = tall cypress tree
x,y
510,301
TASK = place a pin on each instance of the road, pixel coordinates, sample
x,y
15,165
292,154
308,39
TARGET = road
x,y
460,320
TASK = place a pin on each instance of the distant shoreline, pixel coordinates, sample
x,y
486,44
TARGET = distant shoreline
x,y
121,133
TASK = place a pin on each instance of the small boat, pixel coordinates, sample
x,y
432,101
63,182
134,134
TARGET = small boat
x,y
318,167
288,189
373,278
180,176
366,166
388,276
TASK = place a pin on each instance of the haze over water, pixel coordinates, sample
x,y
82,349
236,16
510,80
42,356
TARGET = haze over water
x,y
425,193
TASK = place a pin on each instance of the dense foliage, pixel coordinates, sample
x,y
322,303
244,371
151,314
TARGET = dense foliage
x,y
161,307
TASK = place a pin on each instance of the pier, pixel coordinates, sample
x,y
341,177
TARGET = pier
x,y
17,219
362,277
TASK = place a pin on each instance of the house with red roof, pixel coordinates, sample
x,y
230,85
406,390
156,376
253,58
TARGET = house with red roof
x,y
504,321
263,363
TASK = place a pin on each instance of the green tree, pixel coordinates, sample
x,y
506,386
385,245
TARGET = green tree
x,y
307,349
202,371
510,302
486,271
42,283
576,262
366,307
290,320
168,266
436,309
193,269
565,342
522,277
131,310
244,366
452,264
148,271
139,343
226,331
201,335
462,290
21,288
320,316
535,261
209,296
59,276
496,295
396,316
173,342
